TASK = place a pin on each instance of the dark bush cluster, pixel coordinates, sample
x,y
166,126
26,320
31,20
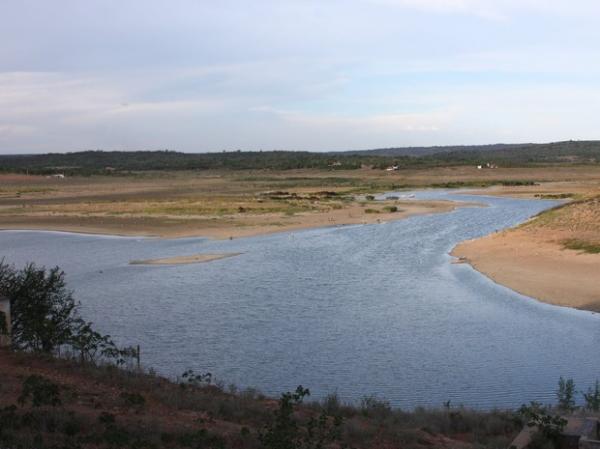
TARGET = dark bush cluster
x,y
45,319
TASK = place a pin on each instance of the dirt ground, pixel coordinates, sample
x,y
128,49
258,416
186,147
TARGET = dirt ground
x,y
555,257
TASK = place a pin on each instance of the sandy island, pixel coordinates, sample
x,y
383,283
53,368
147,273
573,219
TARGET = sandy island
x,y
184,260
223,227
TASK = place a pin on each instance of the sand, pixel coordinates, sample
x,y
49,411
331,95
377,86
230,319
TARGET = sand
x,y
534,263
184,260
221,227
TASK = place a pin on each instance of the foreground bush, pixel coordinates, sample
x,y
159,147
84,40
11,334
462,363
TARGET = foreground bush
x,y
45,318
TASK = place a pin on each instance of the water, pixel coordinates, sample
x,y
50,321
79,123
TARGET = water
x,y
358,310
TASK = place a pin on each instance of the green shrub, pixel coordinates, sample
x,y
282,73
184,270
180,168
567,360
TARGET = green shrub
x,y
582,245
566,394
549,427
40,390
592,398
133,399
373,407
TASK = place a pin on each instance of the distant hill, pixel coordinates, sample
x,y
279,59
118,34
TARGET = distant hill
x,y
523,154
87,162
428,151
520,151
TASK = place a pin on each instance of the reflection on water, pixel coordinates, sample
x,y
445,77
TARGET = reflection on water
x,y
361,310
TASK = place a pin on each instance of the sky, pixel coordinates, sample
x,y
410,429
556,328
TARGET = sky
x,y
199,75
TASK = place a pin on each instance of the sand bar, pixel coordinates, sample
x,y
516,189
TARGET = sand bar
x,y
184,260
224,226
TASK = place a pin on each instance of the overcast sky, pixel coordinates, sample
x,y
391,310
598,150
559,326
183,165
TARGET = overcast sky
x,y
213,75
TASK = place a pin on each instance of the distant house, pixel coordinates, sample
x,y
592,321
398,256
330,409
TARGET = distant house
x,y
4,321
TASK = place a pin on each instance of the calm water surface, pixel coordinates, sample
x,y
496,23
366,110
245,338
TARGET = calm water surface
x,y
358,310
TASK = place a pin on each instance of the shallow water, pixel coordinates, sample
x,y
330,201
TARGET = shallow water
x,y
357,310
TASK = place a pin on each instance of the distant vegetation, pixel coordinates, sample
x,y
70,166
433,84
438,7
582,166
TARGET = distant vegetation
x,y
507,154
93,162
582,245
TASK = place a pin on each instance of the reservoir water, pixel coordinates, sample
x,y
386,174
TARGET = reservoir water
x,y
358,310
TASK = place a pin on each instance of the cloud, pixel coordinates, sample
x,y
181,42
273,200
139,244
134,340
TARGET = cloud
x,y
301,74
498,9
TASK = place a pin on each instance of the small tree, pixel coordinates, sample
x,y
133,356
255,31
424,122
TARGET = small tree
x,y
549,427
42,309
89,343
566,394
44,316
284,433
592,398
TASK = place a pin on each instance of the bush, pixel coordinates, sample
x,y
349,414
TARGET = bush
x,y
592,398
549,426
45,316
390,208
42,309
133,399
372,407
40,390
566,394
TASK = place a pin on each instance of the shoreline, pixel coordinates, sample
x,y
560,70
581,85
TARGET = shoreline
x,y
532,265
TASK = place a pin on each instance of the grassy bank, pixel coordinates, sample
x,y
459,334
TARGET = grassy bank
x,y
105,406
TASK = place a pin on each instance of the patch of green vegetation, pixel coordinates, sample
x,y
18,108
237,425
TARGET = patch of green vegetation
x,y
582,245
493,182
372,211
390,208
555,196
26,190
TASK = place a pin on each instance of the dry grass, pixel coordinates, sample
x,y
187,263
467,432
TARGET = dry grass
x,y
104,407
219,204
226,204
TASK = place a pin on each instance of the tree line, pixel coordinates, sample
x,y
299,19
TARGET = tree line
x,y
111,162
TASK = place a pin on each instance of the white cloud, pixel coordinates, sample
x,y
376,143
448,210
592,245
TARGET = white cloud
x,y
299,74
499,9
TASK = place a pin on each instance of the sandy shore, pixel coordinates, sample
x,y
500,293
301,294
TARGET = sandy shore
x,y
222,227
184,260
534,263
